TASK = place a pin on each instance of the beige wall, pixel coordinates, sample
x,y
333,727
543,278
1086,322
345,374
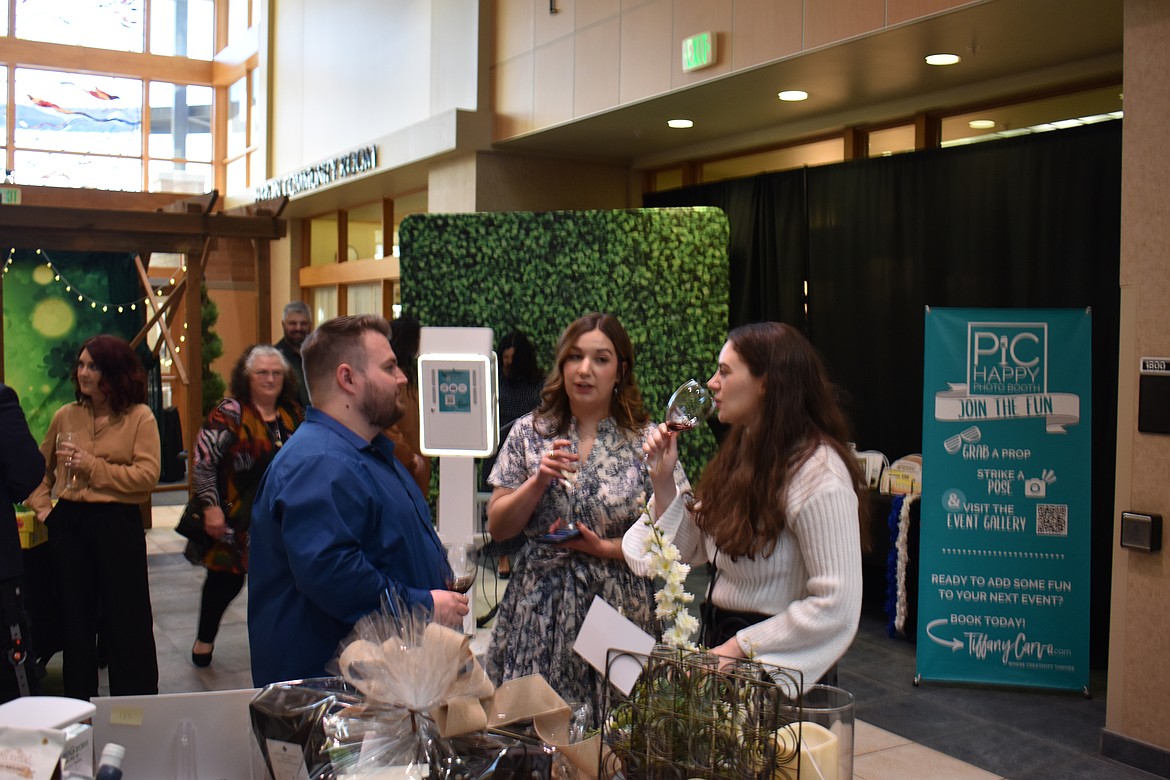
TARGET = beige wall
x,y
595,55
347,72
1139,671
506,182
487,181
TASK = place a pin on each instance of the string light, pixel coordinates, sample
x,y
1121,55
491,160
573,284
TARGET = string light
x,y
82,297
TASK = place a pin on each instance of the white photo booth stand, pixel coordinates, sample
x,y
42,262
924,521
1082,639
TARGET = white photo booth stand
x,y
459,421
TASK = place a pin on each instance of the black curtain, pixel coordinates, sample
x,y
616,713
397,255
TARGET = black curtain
x,y
1030,222
768,243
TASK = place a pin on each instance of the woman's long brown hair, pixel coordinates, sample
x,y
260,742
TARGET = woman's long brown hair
x,y
553,415
742,497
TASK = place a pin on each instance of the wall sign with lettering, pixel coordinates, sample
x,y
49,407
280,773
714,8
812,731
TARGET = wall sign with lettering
x,y
1006,451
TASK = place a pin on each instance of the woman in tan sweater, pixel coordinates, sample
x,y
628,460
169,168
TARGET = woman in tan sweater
x,y
99,479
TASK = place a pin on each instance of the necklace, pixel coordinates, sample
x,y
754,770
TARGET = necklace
x,y
275,432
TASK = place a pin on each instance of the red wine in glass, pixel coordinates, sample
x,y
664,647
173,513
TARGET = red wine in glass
x,y
460,584
690,405
461,560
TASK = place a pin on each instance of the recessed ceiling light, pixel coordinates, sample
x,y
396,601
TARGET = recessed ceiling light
x,y
981,124
679,123
942,59
792,95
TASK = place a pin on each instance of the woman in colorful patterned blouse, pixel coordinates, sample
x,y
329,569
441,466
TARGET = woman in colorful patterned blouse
x,y
590,425
234,447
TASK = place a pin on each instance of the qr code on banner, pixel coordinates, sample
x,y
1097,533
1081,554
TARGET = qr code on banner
x,y
1052,519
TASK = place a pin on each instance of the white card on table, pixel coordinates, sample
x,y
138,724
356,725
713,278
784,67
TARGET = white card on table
x,y
604,629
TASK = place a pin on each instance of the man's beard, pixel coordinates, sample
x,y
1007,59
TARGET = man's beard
x,y
381,414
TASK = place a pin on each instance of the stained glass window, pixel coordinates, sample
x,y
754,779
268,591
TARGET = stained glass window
x,y
53,169
77,112
182,28
103,24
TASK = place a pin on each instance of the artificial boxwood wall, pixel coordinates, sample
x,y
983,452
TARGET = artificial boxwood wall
x,y
662,272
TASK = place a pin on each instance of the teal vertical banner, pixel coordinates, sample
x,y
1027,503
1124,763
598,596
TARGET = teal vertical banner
x,y
1003,593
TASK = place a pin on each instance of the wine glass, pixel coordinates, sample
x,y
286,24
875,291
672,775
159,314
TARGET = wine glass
x,y
72,478
569,480
462,566
689,406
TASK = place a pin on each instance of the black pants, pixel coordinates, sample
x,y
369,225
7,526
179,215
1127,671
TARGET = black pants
x,y
99,554
719,625
219,589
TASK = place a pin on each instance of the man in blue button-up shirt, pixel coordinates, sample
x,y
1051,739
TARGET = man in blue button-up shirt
x,y
337,520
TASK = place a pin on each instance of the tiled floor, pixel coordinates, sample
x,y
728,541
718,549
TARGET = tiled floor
x,y
932,731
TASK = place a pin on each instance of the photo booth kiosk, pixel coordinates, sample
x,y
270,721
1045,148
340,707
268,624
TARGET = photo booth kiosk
x,y
459,421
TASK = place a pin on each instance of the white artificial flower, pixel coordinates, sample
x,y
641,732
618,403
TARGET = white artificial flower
x,y
671,600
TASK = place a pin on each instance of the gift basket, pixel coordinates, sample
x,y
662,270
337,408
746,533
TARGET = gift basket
x,y
411,701
685,717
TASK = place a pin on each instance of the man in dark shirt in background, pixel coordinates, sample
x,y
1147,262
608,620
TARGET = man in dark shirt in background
x,y
297,322
21,469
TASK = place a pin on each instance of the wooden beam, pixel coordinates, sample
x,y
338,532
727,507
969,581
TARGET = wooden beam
x,y
164,325
106,62
353,272
342,236
193,419
109,231
196,204
262,252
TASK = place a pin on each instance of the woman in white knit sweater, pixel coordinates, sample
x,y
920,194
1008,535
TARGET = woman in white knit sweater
x,y
777,509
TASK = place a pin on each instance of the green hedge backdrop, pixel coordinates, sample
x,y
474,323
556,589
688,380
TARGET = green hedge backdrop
x,y
662,272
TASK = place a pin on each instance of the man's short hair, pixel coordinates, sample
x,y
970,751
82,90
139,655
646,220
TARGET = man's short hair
x,y
296,306
337,341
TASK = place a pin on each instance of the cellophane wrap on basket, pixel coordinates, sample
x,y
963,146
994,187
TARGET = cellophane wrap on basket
x,y
289,726
411,701
421,684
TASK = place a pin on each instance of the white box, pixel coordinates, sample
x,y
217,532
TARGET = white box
x,y
72,717
77,756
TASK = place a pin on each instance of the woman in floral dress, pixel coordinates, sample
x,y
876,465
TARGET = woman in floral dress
x,y
590,421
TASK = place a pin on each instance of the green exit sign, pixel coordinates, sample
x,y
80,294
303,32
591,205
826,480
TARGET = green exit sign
x,y
698,51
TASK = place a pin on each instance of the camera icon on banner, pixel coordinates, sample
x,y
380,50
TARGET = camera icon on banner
x,y
1037,487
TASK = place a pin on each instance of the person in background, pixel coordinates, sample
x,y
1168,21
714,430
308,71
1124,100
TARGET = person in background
x,y
22,467
338,523
233,448
297,323
590,425
520,378
520,384
778,511
95,529
405,333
